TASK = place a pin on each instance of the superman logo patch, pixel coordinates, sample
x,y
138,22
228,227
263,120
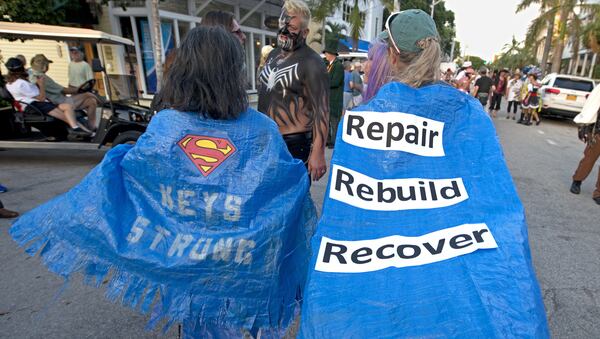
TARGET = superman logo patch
x,y
207,153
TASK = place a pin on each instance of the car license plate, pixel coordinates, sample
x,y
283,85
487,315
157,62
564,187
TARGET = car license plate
x,y
571,97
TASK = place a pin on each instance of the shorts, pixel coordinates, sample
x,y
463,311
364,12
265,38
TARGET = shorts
x,y
299,145
43,106
483,98
348,100
356,100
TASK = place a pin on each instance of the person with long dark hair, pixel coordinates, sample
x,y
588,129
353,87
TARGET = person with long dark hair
x,y
208,209
227,21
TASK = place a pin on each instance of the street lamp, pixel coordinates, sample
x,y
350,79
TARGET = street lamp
x,y
433,3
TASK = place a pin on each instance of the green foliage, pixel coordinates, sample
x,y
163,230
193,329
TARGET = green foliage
x,y
41,11
591,33
476,61
444,20
333,32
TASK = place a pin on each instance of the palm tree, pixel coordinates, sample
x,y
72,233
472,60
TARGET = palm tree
x,y
511,48
357,23
157,43
591,33
546,20
333,32
321,9
568,12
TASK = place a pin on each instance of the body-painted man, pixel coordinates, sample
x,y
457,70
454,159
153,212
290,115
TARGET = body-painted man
x,y
294,90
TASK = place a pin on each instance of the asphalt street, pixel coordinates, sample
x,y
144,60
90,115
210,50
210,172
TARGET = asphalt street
x,y
564,232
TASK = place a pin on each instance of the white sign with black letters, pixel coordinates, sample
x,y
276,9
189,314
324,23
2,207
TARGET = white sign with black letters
x,y
394,131
399,251
364,192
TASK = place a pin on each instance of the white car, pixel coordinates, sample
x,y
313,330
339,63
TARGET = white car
x,y
564,95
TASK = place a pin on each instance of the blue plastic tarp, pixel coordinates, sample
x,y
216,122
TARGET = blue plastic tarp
x,y
422,233
210,220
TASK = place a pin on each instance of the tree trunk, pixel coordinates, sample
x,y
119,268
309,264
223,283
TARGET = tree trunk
x,y
323,34
560,43
157,44
547,44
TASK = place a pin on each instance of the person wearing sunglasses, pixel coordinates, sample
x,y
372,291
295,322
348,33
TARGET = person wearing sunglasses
x,y
386,261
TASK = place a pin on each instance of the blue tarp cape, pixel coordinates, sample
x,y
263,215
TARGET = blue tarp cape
x,y
422,233
210,220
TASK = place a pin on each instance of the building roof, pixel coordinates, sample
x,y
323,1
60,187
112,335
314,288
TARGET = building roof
x,y
16,30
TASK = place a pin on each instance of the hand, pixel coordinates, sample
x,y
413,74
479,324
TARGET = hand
x,y
40,80
316,164
582,134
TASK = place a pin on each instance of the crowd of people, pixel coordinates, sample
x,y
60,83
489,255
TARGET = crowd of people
x,y
519,90
34,87
302,97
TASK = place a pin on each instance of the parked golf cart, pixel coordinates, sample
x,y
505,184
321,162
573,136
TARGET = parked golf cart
x,y
122,117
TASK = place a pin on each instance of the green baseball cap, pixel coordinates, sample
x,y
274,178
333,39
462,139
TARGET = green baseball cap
x,y
406,28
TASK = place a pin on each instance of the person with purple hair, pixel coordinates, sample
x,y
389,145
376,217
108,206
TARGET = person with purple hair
x,y
377,68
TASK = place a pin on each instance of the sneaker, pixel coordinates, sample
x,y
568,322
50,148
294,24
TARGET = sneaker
x,y
513,118
538,122
597,200
3,189
576,187
8,214
78,131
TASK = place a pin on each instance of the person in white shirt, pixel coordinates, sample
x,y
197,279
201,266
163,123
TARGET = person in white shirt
x,y
514,94
29,94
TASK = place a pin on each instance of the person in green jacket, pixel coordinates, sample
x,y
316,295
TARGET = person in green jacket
x,y
335,69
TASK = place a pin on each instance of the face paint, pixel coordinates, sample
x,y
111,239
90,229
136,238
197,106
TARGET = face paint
x,y
286,40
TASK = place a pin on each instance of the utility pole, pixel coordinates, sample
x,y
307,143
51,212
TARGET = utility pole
x,y
452,50
433,3
396,5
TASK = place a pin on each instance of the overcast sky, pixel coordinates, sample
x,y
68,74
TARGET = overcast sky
x,y
483,27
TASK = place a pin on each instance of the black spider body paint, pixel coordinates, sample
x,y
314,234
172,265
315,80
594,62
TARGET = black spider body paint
x,y
294,87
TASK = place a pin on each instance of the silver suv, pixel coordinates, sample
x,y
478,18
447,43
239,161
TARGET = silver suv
x,y
564,95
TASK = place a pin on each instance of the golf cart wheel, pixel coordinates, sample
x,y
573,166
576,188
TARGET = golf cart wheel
x,y
129,137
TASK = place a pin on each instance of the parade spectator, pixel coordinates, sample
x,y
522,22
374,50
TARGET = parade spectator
x,y
347,89
464,84
448,75
589,133
56,93
335,70
377,68
532,100
514,94
264,54
467,67
79,71
209,144
483,87
28,93
6,213
356,84
524,117
296,96
411,95
225,20
499,90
